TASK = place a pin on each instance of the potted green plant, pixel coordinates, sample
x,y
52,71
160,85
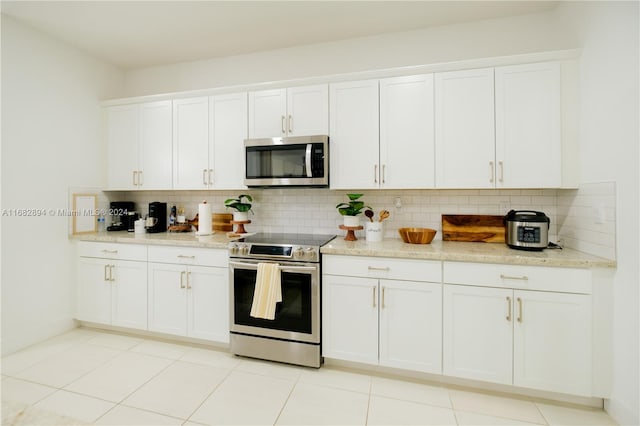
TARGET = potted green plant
x,y
242,204
351,210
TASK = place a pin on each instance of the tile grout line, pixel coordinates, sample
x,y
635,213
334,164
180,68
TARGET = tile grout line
x,y
295,384
188,418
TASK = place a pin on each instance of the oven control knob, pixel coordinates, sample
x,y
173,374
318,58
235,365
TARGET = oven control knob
x,y
233,249
244,249
309,253
298,253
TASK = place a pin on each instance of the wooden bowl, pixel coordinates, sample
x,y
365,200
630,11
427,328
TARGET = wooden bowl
x,y
417,235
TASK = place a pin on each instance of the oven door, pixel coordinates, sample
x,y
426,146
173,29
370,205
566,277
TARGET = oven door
x,y
297,317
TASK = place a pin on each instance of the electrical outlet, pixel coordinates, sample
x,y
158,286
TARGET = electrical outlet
x,y
398,203
504,207
599,214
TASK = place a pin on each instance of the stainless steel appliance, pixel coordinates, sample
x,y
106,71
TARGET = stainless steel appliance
x,y
158,213
527,229
290,161
293,336
120,212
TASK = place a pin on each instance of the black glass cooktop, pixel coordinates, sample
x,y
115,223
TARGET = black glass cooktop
x,y
294,239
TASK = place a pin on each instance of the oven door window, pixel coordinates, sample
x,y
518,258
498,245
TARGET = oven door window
x,y
267,162
292,314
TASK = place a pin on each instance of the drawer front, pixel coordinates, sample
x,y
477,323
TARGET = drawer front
x,y
564,280
189,256
383,267
112,251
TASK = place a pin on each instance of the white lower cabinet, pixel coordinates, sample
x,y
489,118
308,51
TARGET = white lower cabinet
x,y
187,299
111,290
377,320
519,336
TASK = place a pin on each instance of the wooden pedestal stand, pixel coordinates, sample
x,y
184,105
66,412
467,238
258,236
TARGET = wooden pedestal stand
x,y
240,223
351,235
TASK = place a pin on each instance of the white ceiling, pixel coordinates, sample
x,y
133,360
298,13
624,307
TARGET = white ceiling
x,y
136,34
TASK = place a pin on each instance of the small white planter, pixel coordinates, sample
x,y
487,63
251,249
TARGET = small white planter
x,y
240,216
351,220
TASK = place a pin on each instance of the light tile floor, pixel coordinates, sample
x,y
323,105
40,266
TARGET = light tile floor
x,y
88,376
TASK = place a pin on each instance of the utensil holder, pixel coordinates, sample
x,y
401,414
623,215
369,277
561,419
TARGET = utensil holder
x,y
374,231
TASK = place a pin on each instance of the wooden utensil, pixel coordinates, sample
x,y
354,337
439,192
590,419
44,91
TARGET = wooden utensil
x,y
384,214
369,214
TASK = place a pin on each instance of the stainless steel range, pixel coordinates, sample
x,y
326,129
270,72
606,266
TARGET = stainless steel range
x,y
293,336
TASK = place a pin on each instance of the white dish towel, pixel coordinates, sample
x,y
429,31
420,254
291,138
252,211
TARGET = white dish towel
x,y
268,291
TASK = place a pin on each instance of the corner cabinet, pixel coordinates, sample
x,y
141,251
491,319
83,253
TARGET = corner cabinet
x,y
523,326
382,311
294,111
188,292
112,284
139,139
499,127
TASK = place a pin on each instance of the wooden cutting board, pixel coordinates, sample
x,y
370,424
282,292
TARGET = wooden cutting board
x,y
473,227
222,222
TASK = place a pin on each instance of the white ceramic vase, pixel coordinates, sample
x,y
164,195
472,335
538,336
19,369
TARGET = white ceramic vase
x,y
240,216
351,221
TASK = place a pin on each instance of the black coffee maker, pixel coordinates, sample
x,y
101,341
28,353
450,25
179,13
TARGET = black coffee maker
x,y
158,214
122,215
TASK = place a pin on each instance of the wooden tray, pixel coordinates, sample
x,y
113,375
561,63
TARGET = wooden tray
x,y
474,228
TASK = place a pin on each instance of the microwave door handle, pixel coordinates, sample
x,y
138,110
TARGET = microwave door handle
x,y
308,160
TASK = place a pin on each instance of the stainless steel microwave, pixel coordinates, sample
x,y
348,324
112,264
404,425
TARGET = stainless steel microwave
x,y
287,161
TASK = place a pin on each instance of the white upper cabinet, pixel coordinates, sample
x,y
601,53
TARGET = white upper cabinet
x,y
191,143
407,132
296,111
528,126
354,135
227,132
465,140
140,146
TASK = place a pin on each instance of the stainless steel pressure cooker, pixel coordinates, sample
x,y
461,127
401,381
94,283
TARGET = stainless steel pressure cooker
x,y
527,229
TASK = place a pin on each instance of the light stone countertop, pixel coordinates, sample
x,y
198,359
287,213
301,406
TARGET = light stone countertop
x,y
437,250
218,240
466,252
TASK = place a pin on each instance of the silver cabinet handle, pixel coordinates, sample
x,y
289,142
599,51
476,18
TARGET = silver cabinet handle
x,y
290,124
182,279
111,273
140,178
375,173
510,277
210,176
282,125
491,172
501,165
374,296
184,256
204,177
188,280
520,316
382,304
106,277
135,178
110,251
508,309
379,268
384,173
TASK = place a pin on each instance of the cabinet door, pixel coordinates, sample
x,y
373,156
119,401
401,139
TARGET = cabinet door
x,y
191,143
411,325
350,318
228,130
552,342
129,294
528,129
94,291
267,113
354,135
168,298
208,303
123,127
308,110
406,132
477,333
465,142
156,145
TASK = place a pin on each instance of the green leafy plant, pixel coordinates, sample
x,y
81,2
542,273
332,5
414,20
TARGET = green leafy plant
x,y
353,207
239,204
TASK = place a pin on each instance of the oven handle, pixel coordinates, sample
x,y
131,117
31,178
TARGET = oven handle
x,y
282,268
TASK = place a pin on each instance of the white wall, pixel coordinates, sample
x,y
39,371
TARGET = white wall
x,y
507,36
609,117
51,140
